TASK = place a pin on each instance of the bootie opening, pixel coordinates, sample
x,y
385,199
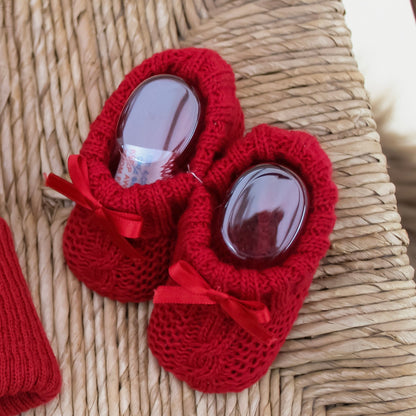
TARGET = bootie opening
x,y
221,122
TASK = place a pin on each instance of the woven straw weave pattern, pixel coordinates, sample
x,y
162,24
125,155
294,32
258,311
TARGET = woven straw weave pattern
x,y
352,350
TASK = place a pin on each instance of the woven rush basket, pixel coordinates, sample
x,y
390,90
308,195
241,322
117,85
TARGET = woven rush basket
x,y
352,350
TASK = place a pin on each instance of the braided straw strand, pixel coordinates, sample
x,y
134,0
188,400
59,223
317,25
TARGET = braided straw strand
x,y
351,350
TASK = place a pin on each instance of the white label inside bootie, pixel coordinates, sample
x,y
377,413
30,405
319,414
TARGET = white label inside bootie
x,y
142,165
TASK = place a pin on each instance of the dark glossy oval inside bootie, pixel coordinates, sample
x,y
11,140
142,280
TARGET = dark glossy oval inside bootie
x,y
263,215
155,130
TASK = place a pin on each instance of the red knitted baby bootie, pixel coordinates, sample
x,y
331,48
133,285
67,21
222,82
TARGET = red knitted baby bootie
x,y
119,241
29,373
218,325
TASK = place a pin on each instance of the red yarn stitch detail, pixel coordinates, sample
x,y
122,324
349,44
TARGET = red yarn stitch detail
x,y
29,372
193,289
117,224
198,343
89,250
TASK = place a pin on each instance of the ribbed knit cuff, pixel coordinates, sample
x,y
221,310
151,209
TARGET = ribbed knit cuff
x,y
29,372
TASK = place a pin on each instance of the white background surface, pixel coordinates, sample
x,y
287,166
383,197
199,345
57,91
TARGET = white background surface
x,y
384,44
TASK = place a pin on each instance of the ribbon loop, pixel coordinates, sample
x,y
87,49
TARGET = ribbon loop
x,y
193,289
120,225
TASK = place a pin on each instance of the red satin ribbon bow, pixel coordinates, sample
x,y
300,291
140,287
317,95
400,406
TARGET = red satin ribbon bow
x,y
118,224
193,289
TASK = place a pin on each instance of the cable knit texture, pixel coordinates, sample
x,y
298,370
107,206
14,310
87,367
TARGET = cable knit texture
x,y
29,373
199,343
90,253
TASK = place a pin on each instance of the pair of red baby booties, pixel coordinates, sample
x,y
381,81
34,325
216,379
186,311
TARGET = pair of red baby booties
x,y
222,326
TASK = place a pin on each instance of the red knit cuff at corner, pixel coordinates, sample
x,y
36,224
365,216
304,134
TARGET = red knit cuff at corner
x,y
29,372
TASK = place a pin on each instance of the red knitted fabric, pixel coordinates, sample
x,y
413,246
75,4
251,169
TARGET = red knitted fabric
x,y
89,250
29,373
202,345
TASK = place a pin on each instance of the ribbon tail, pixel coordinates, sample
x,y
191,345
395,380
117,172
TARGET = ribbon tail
x,y
118,239
128,225
248,320
193,289
126,247
187,277
71,192
65,188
